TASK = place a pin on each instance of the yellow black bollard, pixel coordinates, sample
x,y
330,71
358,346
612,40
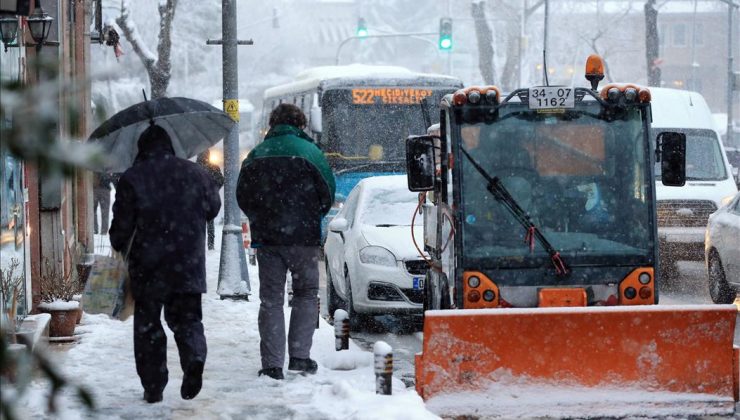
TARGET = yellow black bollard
x,y
341,330
383,368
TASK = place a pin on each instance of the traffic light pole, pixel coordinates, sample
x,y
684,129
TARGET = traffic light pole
x,y
399,35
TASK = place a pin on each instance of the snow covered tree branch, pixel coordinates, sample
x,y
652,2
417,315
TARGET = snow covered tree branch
x,y
159,67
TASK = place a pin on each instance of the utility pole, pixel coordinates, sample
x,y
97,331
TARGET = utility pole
x,y
233,276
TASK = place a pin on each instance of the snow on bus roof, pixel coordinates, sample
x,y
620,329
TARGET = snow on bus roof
x,y
312,77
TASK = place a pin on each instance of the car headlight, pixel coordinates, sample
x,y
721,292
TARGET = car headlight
x,y
377,255
727,200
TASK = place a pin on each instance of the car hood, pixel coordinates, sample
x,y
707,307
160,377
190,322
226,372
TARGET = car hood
x,y
396,239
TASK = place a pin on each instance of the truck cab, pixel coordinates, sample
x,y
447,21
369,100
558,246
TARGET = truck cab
x,y
546,189
540,224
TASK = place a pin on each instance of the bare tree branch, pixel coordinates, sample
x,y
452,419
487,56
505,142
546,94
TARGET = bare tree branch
x,y
164,48
484,36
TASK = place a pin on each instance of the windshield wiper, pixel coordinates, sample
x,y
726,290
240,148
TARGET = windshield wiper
x,y
497,189
385,225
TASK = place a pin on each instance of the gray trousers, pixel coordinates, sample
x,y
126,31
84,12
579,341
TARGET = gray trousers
x,y
274,263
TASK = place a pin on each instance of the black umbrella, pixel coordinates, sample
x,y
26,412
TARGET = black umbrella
x,y
193,126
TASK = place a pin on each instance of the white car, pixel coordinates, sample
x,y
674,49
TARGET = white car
x,y
722,252
372,265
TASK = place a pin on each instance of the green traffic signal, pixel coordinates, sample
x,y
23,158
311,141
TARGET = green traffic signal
x,y
361,28
445,34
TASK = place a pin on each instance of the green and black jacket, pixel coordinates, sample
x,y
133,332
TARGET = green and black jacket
x,y
285,188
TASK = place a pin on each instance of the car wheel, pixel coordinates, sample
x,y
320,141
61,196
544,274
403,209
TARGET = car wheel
x,y
334,302
719,289
356,320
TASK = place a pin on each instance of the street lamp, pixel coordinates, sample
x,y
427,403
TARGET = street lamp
x,y
9,31
39,24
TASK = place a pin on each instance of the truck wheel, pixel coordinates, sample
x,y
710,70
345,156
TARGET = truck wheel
x,y
720,291
429,303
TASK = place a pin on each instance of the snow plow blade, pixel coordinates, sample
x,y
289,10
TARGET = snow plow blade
x,y
686,350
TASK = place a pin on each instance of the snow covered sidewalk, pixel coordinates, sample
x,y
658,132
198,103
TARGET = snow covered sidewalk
x,y
103,361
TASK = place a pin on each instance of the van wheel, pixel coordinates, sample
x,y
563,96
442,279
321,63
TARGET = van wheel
x,y
720,291
668,271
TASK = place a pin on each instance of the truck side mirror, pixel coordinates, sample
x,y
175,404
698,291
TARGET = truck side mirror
x,y
315,122
420,163
672,147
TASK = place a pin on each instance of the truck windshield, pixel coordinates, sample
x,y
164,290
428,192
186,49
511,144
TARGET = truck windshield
x,y
580,175
703,156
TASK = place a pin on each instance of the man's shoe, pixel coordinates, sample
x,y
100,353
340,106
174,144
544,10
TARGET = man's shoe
x,y
152,397
192,381
274,373
303,365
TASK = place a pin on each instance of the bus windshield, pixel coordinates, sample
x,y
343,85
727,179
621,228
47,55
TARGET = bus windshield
x,y
365,126
579,175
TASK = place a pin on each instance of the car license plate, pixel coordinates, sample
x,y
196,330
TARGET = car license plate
x,y
546,97
418,283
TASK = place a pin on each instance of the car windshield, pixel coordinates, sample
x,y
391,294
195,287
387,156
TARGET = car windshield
x,y
703,156
579,175
389,206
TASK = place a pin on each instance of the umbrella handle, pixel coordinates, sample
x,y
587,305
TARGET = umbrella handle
x,y
143,91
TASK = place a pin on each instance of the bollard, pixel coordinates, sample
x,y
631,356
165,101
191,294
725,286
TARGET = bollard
x,y
318,312
383,368
341,330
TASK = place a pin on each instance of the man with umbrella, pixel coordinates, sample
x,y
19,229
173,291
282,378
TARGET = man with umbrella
x,y
161,205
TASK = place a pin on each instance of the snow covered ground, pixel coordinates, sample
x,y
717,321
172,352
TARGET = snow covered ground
x,y
343,388
103,361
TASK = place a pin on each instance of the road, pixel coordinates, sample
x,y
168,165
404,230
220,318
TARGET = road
x,y
405,337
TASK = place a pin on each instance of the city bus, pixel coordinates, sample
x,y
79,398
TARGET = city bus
x,y
360,115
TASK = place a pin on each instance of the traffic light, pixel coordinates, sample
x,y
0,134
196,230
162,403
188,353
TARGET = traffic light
x,y
445,33
361,28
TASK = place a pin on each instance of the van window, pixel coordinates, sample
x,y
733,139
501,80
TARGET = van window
x,y
703,156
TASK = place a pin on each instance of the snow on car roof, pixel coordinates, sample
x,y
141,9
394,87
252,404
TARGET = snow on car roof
x,y
312,77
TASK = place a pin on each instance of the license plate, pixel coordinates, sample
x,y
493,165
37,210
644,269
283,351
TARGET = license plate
x,y
418,283
551,97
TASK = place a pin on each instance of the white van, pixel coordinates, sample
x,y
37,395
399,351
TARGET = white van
x,y
683,211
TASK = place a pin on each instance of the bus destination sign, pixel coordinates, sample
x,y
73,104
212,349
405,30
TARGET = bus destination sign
x,y
385,96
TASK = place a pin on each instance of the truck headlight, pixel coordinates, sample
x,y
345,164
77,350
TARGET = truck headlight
x,y
378,256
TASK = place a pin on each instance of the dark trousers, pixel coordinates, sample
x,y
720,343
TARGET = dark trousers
x,y
211,234
183,314
274,263
101,198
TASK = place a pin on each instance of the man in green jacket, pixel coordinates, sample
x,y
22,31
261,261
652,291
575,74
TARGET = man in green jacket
x,y
285,188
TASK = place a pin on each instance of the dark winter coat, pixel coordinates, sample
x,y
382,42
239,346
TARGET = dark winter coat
x,y
212,169
167,201
285,187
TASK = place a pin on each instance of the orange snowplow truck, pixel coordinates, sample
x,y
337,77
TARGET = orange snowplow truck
x,y
540,226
